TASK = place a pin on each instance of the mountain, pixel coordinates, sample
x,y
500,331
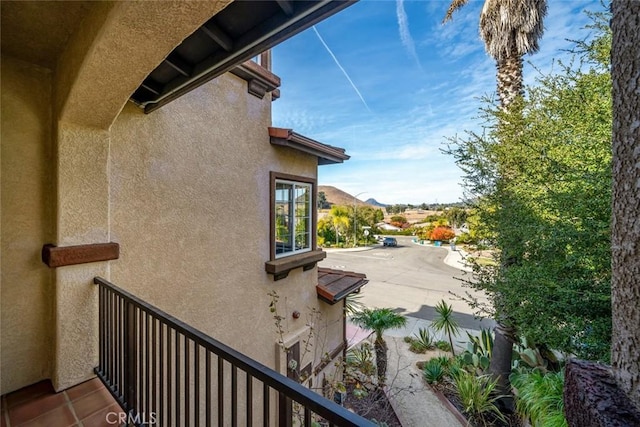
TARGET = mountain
x,y
373,202
335,196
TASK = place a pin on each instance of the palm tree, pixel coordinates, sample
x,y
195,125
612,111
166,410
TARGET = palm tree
x,y
510,29
379,320
339,219
445,322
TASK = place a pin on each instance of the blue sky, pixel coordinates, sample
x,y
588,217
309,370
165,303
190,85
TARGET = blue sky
x,y
389,83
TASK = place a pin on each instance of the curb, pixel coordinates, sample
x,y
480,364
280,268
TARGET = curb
x,y
394,405
356,249
450,406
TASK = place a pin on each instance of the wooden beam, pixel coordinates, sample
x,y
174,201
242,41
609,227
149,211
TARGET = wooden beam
x,y
216,34
151,86
54,256
265,59
179,64
286,6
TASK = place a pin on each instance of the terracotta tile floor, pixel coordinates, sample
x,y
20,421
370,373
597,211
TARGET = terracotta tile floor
x,y
86,405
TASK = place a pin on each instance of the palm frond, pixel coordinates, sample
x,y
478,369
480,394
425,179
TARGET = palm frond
x,y
379,320
512,27
453,7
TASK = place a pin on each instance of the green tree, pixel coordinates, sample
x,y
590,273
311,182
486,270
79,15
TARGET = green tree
x,y
543,177
322,201
379,320
444,322
510,29
398,220
456,216
340,220
366,216
326,232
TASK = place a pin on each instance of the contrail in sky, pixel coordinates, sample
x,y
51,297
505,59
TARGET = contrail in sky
x,y
405,35
342,69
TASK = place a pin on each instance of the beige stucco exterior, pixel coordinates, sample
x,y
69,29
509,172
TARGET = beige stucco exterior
x,y
189,206
184,191
27,221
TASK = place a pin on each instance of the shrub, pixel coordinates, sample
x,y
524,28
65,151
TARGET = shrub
x,y
361,360
443,345
442,233
539,397
478,398
466,238
478,351
416,347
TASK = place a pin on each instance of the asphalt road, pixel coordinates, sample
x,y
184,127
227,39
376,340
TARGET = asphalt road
x,y
409,278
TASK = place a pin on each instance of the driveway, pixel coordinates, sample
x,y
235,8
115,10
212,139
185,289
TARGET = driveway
x,y
409,278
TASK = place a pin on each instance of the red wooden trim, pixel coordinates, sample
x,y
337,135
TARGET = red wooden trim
x,y
54,256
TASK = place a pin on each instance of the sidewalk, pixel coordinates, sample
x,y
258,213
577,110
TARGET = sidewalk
x,y
415,404
413,401
455,258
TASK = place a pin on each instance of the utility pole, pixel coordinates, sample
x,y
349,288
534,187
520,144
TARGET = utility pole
x,y
355,218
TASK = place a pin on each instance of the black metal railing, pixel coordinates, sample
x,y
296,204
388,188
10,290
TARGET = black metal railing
x,y
164,372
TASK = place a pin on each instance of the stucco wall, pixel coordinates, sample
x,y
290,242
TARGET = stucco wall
x,y
189,203
27,223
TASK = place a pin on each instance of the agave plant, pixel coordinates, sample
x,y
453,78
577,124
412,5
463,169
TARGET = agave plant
x,y
421,341
361,359
433,371
425,338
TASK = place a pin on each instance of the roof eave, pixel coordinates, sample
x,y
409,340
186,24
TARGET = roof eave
x,y
326,154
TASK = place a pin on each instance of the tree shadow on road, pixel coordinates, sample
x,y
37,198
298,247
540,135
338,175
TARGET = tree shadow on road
x,y
466,321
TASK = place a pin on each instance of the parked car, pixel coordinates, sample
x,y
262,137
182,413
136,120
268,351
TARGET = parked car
x,y
389,241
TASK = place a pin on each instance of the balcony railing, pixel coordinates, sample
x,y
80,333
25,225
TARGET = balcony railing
x,y
164,372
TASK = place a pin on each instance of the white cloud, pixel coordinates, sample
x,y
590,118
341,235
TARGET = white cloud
x,y
405,34
395,151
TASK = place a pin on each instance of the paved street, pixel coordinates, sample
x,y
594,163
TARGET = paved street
x,y
410,278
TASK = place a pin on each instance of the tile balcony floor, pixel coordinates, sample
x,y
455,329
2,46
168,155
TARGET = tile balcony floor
x,y
84,405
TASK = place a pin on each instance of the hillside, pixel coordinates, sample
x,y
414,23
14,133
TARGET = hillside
x,y
373,202
335,196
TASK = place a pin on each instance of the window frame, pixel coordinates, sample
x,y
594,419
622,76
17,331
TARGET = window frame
x,y
293,179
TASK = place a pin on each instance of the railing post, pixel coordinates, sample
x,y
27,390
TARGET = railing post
x,y
285,411
125,346
130,356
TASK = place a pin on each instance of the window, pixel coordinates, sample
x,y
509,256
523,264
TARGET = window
x,y
293,222
292,215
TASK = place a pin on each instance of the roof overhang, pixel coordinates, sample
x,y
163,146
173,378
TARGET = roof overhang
x,y
326,154
336,285
236,34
